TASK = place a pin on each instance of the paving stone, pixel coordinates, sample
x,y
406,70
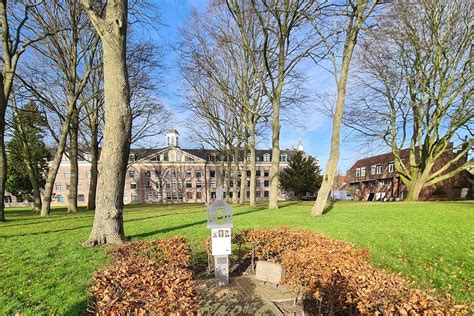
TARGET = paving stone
x,y
244,296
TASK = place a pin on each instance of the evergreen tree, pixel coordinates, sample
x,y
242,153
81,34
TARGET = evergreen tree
x,y
301,176
27,155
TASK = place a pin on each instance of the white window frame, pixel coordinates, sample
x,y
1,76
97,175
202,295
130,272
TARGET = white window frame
x,y
391,166
379,169
362,171
357,172
266,157
373,170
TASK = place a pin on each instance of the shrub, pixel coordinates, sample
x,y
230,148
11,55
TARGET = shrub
x,y
338,275
146,277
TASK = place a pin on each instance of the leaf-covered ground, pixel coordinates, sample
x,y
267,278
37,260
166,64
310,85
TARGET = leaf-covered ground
x,y
44,269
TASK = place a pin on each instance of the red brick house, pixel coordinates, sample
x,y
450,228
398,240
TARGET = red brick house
x,y
375,178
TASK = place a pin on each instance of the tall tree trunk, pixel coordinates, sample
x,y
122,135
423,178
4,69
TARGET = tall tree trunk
x,y
74,167
93,172
253,163
108,219
54,167
243,177
228,168
235,178
275,169
331,166
3,155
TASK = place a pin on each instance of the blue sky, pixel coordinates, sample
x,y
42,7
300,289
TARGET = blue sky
x,y
314,129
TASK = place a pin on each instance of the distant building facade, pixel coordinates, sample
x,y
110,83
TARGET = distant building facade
x,y
375,178
174,175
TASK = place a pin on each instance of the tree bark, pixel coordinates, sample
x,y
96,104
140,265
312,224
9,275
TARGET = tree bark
x,y
228,168
3,155
235,178
253,163
243,177
108,220
93,170
275,168
414,190
74,167
54,167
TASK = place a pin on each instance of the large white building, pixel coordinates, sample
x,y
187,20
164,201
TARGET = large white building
x,y
174,174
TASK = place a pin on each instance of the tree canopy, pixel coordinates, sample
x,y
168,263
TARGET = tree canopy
x,y
302,175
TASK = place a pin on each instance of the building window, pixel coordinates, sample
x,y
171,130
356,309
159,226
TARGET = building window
x,y
168,196
198,173
213,183
189,184
362,172
131,173
266,194
168,185
19,199
59,198
248,173
149,197
357,172
80,198
158,185
257,173
165,157
198,184
125,198
266,173
148,185
258,183
379,169
159,196
174,185
133,185
284,158
7,199
58,186
258,194
199,195
147,174
212,173
372,170
266,183
189,195
266,157
68,186
390,166
189,174
79,186
131,157
134,197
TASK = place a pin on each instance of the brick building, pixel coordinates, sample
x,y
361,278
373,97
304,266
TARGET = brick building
x,y
173,175
375,178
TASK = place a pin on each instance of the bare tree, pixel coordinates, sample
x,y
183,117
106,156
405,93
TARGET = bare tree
x,y
57,78
112,29
284,39
354,14
14,18
415,86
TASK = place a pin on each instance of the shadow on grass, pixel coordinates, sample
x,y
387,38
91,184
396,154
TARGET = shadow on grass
x,y
169,229
329,207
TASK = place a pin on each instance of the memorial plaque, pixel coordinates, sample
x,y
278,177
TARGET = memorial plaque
x,y
269,272
221,271
221,241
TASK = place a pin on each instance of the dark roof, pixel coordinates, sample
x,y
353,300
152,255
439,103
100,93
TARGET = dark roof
x,y
205,153
382,158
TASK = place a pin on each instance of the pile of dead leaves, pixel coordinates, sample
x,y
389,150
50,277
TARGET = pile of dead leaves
x,y
146,277
338,275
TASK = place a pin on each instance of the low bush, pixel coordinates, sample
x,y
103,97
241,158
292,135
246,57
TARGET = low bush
x,y
338,275
146,277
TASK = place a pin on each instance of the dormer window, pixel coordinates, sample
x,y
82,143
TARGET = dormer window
x,y
131,157
284,158
266,157
390,166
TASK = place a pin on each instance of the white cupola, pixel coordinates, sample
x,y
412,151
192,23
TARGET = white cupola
x,y
172,137
300,145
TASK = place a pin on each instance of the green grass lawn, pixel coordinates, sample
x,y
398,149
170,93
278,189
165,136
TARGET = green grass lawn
x,y
45,270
